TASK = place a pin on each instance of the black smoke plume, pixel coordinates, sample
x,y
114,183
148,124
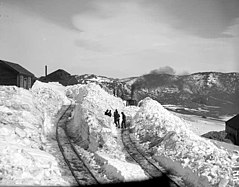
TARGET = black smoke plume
x,y
137,85
163,70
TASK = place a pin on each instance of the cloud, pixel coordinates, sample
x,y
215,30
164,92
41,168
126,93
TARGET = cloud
x,y
59,12
163,70
90,45
204,18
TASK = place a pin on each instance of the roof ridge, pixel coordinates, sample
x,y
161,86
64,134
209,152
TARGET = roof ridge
x,y
17,67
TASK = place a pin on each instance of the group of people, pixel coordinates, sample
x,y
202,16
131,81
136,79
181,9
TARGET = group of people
x,y
117,118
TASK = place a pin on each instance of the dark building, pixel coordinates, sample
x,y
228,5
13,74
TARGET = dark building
x,y
59,75
232,129
14,74
73,80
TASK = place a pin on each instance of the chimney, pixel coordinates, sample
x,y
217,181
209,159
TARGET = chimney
x,y
132,91
45,70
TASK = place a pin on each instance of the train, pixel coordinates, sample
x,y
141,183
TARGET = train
x,y
119,92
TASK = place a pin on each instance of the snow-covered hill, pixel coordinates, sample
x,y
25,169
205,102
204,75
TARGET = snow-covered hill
x,y
89,78
210,94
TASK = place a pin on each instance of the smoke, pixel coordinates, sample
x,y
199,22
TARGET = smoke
x,y
163,70
141,82
137,85
184,73
167,70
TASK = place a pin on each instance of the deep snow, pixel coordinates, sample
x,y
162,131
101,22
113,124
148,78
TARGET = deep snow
x,y
27,125
209,164
23,123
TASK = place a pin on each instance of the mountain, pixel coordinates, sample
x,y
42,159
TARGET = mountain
x,y
208,94
119,87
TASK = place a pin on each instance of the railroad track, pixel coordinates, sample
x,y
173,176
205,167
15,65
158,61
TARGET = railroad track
x,y
149,165
79,170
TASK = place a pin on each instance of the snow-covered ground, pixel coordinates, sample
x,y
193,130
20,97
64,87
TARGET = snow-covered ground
x,y
30,155
201,125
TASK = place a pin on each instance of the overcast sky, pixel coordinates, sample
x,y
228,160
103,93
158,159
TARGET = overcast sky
x,y
120,38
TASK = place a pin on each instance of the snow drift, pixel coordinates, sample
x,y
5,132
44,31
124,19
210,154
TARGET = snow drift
x,y
49,98
27,122
23,160
19,118
89,125
97,133
200,161
164,134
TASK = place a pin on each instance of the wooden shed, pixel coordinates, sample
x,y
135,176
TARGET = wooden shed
x,y
59,75
232,129
14,74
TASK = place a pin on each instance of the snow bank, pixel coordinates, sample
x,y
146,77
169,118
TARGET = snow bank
x,y
179,148
19,118
19,167
22,159
97,133
49,98
130,112
121,170
51,91
90,126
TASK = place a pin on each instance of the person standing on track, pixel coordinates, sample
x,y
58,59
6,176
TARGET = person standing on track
x,y
116,118
123,123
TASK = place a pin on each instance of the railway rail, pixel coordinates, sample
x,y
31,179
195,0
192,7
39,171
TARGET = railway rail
x,y
81,173
149,165
79,170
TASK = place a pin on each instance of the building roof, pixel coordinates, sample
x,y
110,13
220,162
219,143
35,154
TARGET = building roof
x,y
233,122
18,68
59,75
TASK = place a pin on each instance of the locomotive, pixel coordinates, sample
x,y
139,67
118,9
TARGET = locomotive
x,y
119,92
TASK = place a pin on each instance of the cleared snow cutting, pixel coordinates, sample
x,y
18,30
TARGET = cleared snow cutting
x,y
30,155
